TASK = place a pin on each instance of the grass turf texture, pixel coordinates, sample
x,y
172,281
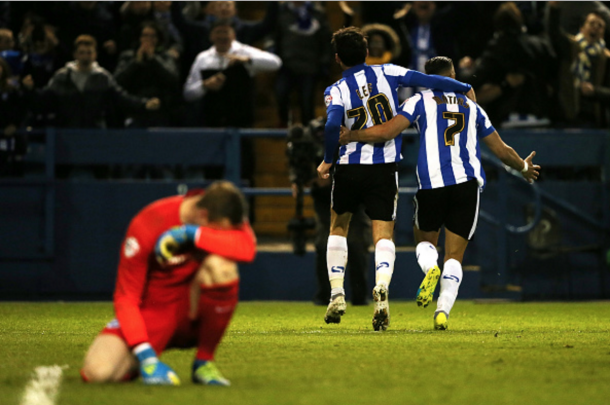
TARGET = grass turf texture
x,y
283,353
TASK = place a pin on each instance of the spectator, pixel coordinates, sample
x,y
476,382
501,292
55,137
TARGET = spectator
x,y
82,93
150,71
91,18
432,33
384,45
13,57
303,44
173,39
12,145
584,76
43,53
514,73
133,14
196,34
222,76
384,13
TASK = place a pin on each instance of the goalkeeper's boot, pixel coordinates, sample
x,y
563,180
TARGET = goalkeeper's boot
x,y
441,320
427,287
335,309
381,317
205,372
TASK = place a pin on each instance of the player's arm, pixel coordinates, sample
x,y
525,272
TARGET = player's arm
x,y
334,117
131,283
413,78
504,152
234,244
378,133
509,157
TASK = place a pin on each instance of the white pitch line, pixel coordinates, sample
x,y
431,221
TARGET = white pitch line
x,y
42,389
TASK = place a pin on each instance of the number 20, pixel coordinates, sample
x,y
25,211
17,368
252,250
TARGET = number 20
x,y
377,106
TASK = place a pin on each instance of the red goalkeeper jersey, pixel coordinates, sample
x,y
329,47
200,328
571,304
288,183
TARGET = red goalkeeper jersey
x,y
143,282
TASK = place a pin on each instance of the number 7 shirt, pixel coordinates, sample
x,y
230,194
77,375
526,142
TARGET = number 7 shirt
x,y
449,127
367,96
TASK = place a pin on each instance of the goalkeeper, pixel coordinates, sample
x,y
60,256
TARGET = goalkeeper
x,y
177,287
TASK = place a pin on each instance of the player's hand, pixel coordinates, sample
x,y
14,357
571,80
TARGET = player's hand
x,y
345,136
153,371
532,170
324,170
173,240
471,95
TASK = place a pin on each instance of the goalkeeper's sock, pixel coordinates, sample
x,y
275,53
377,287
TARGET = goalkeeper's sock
x,y
336,260
385,255
427,256
215,310
450,284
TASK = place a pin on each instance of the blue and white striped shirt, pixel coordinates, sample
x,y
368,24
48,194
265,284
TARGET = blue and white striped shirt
x,y
450,126
367,96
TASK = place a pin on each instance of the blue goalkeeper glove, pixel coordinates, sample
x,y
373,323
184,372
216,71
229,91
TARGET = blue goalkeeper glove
x,y
153,371
173,241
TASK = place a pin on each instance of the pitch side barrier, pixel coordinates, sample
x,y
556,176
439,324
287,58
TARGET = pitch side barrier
x,y
37,223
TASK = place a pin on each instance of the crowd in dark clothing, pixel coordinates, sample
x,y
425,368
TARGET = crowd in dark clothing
x,y
531,63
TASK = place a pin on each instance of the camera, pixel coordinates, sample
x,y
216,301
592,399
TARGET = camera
x,y
303,149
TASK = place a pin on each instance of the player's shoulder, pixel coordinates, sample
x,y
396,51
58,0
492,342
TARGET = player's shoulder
x,y
162,213
391,69
336,86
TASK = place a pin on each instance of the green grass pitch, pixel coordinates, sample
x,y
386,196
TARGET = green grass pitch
x,y
284,353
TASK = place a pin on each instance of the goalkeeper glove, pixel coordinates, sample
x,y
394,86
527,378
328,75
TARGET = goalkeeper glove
x,y
153,371
173,240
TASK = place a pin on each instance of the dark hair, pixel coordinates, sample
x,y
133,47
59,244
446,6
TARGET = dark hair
x,y
508,18
223,200
86,40
351,45
438,65
161,36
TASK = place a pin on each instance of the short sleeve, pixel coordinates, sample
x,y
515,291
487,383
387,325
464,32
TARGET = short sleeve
x,y
411,108
332,98
484,126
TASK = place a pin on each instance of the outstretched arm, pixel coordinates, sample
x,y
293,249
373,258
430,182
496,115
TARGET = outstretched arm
x,y
509,157
413,78
378,133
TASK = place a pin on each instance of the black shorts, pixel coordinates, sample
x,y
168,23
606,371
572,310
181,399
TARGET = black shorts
x,y
456,207
375,186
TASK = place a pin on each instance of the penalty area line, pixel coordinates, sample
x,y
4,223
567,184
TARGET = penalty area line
x,y
43,388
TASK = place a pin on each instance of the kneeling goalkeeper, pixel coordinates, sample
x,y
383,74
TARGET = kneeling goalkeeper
x,y
177,287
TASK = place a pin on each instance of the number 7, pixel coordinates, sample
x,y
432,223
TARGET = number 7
x,y
455,128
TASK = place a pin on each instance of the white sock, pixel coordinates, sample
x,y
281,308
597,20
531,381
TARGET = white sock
x,y
450,284
385,254
336,260
427,256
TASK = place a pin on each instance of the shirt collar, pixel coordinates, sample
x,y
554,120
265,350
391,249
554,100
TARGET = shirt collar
x,y
354,69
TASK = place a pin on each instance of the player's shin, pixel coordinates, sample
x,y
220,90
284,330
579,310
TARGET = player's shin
x,y
336,261
385,255
215,310
427,256
450,284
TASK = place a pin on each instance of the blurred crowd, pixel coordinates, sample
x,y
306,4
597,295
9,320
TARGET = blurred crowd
x,y
141,64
